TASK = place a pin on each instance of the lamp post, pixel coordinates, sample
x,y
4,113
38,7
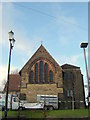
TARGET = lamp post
x,y
12,40
84,45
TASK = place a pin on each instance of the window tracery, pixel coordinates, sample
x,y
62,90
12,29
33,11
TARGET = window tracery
x,y
42,72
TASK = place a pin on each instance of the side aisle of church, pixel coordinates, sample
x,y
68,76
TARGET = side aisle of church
x,y
43,75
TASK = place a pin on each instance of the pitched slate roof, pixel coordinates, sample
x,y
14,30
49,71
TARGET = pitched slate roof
x,y
68,66
14,82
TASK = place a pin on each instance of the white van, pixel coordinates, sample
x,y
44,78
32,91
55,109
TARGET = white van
x,y
13,102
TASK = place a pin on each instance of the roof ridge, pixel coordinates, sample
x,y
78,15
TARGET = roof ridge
x,y
70,65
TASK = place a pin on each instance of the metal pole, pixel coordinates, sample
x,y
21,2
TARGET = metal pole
x,y
72,101
86,70
7,85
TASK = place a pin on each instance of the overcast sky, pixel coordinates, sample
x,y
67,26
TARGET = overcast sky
x,y
61,27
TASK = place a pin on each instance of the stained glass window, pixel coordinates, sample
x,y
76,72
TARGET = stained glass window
x,y
36,72
51,76
31,77
46,72
41,71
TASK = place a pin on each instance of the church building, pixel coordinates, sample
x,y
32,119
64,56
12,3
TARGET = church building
x,y
42,75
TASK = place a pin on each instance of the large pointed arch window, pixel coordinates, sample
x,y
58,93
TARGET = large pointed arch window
x,y
41,71
31,77
36,72
51,76
46,72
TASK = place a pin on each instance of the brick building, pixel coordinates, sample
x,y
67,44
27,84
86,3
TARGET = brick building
x,y
73,87
43,75
14,84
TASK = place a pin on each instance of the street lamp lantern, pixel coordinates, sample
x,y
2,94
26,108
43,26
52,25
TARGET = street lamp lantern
x,y
84,45
11,35
12,40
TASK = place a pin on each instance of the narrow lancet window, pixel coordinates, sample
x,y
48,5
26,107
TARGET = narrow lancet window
x,y
41,71
51,76
46,72
31,77
36,72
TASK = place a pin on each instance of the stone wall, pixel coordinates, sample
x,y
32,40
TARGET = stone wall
x,y
43,89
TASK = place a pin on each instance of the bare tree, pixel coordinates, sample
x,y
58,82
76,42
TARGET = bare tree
x,y
4,82
14,71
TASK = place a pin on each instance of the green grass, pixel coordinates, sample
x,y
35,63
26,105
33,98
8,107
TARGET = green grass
x,y
54,113
24,113
32,114
68,113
